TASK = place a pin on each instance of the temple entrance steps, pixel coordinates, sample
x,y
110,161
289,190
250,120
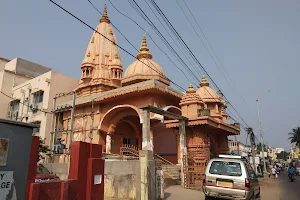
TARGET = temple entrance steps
x,y
171,171
171,174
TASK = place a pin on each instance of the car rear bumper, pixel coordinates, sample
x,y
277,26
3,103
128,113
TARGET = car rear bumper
x,y
226,193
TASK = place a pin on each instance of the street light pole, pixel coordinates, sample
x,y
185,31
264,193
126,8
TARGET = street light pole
x,y
261,136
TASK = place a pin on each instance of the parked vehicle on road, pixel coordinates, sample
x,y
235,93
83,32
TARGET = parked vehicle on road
x,y
44,175
230,177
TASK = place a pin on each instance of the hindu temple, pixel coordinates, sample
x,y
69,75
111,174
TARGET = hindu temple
x,y
129,108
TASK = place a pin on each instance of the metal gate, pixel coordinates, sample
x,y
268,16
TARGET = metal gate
x,y
194,164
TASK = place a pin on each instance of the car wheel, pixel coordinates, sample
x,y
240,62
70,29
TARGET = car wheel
x,y
252,197
258,196
208,198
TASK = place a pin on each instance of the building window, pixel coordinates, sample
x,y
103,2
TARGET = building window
x,y
13,111
37,100
36,131
38,97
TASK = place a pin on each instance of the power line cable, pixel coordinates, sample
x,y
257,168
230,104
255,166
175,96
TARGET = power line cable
x,y
164,40
229,83
107,38
146,18
23,102
169,24
233,86
126,51
142,29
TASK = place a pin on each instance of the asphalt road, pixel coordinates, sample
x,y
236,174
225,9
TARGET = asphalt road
x,y
289,190
271,189
280,188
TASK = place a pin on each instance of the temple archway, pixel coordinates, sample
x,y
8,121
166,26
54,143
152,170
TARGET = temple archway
x,y
120,126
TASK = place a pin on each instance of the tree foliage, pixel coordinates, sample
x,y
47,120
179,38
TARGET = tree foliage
x,y
282,155
295,136
43,149
259,148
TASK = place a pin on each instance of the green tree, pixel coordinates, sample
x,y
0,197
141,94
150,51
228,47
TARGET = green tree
x,y
259,148
43,150
295,136
282,155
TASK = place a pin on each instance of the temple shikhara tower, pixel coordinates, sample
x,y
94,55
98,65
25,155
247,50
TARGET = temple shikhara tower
x,y
111,109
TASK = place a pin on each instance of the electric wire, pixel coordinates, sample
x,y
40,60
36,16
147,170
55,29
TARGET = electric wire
x,y
105,37
233,86
23,102
143,30
169,24
126,51
164,40
140,11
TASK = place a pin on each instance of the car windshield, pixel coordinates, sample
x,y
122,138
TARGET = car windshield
x,y
42,170
225,168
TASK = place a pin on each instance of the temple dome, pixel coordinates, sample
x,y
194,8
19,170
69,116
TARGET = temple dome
x,y
144,68
206,93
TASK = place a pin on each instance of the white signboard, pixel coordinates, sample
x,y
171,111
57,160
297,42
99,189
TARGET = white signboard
x,y
7,188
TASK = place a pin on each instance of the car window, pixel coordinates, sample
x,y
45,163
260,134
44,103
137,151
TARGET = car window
x,y
225,168
42,170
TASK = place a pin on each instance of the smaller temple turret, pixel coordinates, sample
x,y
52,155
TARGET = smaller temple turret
x,y
116,69
191,103
211,98
87,68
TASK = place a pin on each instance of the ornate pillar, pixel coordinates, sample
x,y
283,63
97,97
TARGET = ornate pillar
x,y
146,144
151,141
108,144
182,140
182,146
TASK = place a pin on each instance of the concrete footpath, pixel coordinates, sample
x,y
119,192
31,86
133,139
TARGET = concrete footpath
x,y
177,192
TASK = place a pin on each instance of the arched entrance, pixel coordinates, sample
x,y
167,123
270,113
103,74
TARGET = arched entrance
x,y
120,126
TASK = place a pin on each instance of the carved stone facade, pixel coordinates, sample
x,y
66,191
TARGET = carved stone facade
x,y
108,108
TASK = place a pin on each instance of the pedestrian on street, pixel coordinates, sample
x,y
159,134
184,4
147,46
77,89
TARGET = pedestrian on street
x,y
273,172
270,171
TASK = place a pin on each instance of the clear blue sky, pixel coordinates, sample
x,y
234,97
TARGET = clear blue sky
x,y
257,42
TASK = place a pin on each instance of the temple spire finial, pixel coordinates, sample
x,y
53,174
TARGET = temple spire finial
x,y
104,17
204,82
144,50
190,89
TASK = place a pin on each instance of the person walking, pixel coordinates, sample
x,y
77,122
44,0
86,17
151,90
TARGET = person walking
x,y
273,170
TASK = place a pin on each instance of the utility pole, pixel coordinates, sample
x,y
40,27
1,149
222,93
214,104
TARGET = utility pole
x,y
252,142
53,121
238,145
72,121
261,136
